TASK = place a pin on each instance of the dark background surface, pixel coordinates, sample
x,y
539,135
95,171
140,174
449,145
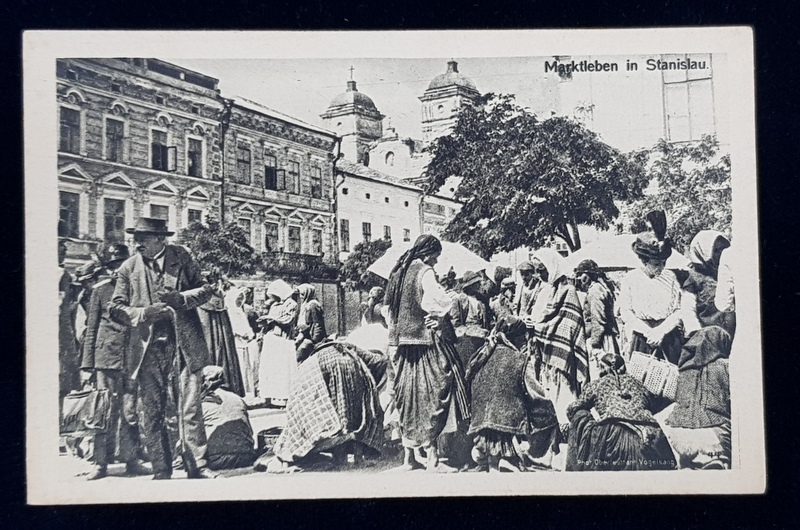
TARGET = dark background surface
x,y
777,42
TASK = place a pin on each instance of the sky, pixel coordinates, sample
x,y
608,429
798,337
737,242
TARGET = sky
x,y
303,88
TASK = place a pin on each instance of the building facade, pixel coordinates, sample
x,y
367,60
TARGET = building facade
x,y
373,205
137,137
279,187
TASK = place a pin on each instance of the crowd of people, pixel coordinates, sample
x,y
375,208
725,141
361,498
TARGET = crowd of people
x,y
532,369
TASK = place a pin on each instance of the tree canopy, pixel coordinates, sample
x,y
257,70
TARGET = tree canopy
x,y
526,181
223,247
354,274
692,184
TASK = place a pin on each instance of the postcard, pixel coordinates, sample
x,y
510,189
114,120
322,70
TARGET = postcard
x,y
307,265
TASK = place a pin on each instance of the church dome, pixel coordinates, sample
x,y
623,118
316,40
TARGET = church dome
x,y
353,97
452,77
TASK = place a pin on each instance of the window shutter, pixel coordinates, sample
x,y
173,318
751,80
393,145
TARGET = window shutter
x,y
281,179
172,158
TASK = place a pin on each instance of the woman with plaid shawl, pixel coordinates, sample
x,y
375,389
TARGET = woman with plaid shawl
x,y
556,326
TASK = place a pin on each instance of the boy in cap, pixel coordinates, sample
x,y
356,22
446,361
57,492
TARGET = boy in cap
x,y
104,360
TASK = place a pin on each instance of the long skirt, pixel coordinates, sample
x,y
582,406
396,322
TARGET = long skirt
x,y
221,344
615,445
248,353
429,391
278,365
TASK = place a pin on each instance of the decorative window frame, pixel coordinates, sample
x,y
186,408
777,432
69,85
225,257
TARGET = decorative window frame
x,y
239,138
195,203
79,186
247,216
150,130
192,134
163,198
112,190
81,109
125,158
273,219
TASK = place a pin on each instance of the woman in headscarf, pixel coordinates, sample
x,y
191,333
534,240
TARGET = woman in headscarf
x,y
650,297
219,335
506,408
371,309
247,347
227,425
700,287
278,356
598,312
626,436
429,387
699,427
310,322
556,324
333,407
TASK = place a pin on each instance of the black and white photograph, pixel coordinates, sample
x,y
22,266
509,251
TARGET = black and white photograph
x,y
279,265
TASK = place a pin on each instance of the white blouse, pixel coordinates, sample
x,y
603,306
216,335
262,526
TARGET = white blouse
x,y
648,298
435,300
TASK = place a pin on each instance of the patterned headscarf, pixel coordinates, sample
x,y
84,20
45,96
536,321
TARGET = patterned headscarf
x,y
425,245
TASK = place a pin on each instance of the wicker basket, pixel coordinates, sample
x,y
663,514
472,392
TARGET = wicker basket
x,y
658,376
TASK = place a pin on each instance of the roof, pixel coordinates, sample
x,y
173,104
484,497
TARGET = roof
x,y
361,170
353,97
452,77
258,107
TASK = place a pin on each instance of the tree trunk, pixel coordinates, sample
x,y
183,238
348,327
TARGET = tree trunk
x,y
575,244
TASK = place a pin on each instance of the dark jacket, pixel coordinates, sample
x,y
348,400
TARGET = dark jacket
x,y
106,340
136,289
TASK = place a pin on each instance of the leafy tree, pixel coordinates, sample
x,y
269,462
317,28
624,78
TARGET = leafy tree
x,y
692,185
526,181
223,247
354,274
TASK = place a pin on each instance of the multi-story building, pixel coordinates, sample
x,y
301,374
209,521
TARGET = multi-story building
x,y
137,137
279,187
373,205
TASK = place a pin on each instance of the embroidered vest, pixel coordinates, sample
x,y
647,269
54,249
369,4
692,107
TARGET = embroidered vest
x,y
410,326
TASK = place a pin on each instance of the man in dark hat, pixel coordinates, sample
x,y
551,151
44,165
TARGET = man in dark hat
x,y
156,295
105,361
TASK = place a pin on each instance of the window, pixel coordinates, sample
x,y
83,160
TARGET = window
x,y
688,100
390,158
163,157
195,216
115,133
242,175
114,219
406,235
434,208
316,241
68,214
406,204
386,200
316,183
294,239
270,172
368,196
70,136
366,231
271,236
387,233
294,177
195,158
345,234
158,211
247,226
345,191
